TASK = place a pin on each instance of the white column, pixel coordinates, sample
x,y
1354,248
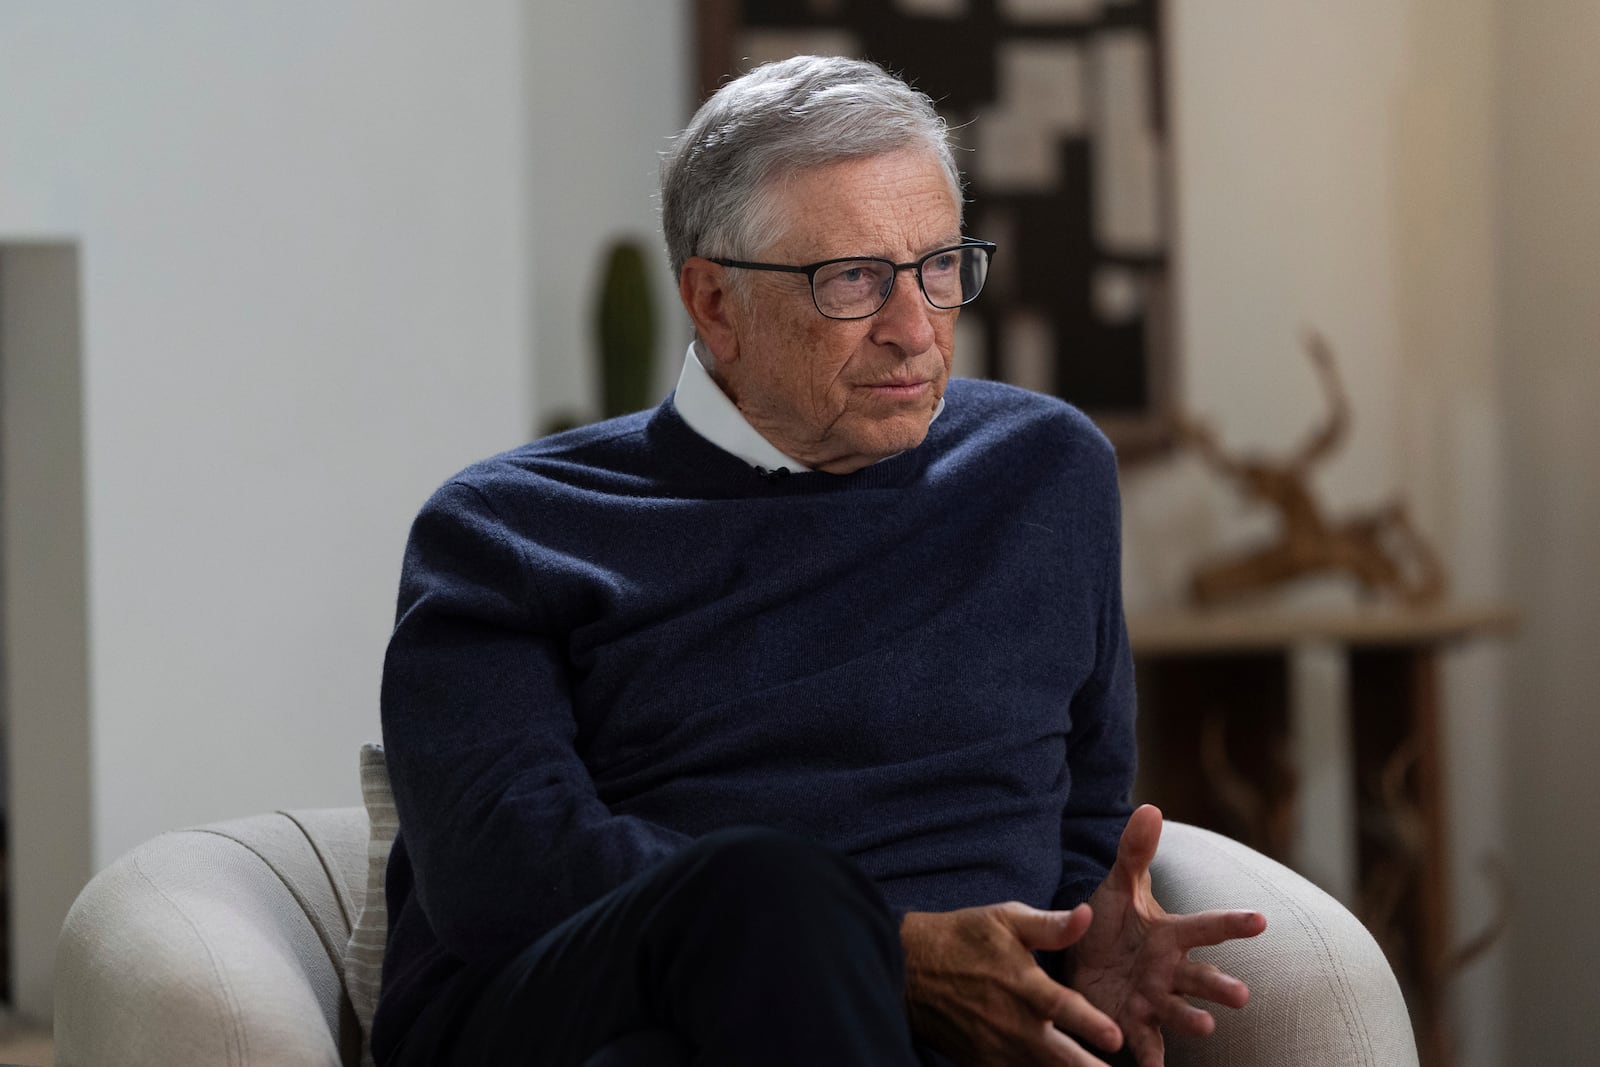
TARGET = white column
x,y
1319,725
45,712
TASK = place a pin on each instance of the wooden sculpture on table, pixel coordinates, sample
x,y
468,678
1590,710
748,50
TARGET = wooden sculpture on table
x,y
1380,549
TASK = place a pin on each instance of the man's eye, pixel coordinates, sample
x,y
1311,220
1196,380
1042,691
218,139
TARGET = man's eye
x,y
943,263
850,274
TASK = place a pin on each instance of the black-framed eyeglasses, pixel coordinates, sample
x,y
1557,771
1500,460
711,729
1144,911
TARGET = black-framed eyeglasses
x,y
856,287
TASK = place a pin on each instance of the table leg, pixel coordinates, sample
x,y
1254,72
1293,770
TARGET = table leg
x,y
1404,899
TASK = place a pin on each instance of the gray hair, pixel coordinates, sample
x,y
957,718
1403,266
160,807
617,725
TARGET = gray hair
x,y
804,112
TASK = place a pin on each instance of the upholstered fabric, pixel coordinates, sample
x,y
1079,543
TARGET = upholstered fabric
x,y
363,961
1321,991
225,946
219,946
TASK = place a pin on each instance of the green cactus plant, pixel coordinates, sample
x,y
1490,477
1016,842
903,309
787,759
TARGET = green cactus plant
x,y
626,329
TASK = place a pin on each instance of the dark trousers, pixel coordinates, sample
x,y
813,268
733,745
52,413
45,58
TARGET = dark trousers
x,y
747,947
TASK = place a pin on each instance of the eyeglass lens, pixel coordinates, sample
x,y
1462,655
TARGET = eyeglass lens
x,y
856,288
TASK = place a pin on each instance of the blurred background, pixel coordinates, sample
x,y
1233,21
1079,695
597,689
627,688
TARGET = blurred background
x,y
269,273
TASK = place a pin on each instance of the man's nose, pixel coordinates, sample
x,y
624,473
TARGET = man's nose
x,y
906,319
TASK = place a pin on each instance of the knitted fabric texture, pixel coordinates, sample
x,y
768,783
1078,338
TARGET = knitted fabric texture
x,y
617,639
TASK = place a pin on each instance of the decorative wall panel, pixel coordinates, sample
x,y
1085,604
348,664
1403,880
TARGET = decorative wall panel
x,y
1061,104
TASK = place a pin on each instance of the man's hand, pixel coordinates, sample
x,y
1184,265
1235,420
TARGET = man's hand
x,y
1133,963
975,992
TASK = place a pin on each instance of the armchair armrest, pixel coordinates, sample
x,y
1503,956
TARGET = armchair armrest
x,y
194,948
1321,990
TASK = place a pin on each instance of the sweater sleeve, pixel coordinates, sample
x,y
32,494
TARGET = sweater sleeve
x,y
1101,745
504,830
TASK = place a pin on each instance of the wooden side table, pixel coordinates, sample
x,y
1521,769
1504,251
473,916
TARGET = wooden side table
x,y
1315,737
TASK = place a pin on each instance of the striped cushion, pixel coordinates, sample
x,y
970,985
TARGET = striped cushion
x,y
363,959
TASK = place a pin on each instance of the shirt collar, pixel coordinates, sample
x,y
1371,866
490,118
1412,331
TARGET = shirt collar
x,y
710,413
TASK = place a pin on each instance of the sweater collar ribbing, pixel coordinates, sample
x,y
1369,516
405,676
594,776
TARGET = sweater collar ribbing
x,y
708,411
714,470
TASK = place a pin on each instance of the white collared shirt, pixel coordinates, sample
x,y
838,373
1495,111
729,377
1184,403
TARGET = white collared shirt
x,y
711,414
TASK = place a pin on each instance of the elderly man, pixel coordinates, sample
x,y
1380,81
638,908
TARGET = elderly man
x,y
792,721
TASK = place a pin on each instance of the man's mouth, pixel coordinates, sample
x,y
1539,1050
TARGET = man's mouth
x,y
901,387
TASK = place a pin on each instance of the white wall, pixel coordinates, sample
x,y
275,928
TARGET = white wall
x,y
1549,161
321,244
610,83
304,238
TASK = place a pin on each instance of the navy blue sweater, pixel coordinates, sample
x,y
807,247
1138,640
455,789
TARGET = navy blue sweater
x,y
620,638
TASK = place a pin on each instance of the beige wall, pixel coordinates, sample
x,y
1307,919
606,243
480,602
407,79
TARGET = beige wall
x,y
1335,169
1548,170
1417,180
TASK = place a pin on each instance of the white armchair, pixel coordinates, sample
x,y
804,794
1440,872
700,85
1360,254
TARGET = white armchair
x,y
224,945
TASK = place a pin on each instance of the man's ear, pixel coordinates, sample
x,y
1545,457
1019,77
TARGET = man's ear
x,y
703,288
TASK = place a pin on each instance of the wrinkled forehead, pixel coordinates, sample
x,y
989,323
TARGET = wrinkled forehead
x,y
896,204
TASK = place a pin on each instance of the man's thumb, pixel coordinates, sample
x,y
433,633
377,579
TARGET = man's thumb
x,y
1050,929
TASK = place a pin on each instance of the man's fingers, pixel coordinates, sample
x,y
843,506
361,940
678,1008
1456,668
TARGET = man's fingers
x,y
1149,1050
1215,927
1140,839
1206,982
1070,1011
1048,929
1067,1052
1181,1017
